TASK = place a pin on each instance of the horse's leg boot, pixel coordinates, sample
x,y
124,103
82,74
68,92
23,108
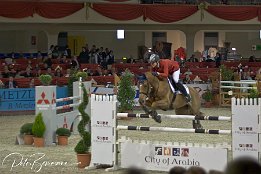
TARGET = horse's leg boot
x,y
183,90
155,116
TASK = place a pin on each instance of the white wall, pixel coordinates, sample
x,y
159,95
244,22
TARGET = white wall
x,y
108,39
243,42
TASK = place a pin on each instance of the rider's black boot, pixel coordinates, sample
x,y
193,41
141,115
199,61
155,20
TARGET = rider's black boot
x,y
183,90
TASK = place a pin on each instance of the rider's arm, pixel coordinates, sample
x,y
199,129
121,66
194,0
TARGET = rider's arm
x,y
165,66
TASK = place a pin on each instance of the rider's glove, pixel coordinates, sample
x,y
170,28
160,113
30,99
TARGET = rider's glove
x,y
155,73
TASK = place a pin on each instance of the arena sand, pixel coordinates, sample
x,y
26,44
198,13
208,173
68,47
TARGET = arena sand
x,y
12,154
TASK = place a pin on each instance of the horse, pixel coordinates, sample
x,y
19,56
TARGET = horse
x,y
156,93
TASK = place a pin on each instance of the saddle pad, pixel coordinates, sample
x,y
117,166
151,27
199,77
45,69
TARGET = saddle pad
x,y
177,92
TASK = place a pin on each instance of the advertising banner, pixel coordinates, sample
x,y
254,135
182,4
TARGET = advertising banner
x,y
164,157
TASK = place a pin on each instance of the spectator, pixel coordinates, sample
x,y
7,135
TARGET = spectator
x,y
27,73
11,83
31,84
177,170
55,52
67,52
49,72
68,72
251,59
58,72
84,56
74,63
243,166
196,170
135,171
218,60
5,73
2,85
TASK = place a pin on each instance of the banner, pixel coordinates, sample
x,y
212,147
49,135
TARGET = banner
x,y
164,157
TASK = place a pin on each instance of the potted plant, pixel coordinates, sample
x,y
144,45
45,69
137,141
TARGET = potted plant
x,y
126,92
26,131
208,97
45,79
63,135
38,130
83,146
253,93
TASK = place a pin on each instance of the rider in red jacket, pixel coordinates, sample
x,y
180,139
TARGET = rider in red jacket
x,y
165,68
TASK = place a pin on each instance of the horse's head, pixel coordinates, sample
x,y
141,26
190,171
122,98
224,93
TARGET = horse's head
x,y
144,88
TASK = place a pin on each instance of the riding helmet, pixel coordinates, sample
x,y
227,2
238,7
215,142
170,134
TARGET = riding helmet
x,y
154,58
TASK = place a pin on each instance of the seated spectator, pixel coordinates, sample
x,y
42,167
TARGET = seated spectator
x,y
5,73
74,63
209,59
58,72
2,85
49,72
68,73
37,67
48,61
177,170
192,59
31,84
98,72
252,59
11,83
38,73
12,72
243,166
64,60
188,72
27,73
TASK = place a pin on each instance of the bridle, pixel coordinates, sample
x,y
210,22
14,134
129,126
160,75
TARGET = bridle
x,y
149,90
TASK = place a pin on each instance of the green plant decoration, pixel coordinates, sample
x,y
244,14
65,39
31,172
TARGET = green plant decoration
x,y
45,79
226,73
84,144
207,96
38,128
63,132
74,76
126,92
26,129
253,93
81,74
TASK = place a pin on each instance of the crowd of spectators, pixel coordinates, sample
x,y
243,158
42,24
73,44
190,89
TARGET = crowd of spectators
x,y
194,2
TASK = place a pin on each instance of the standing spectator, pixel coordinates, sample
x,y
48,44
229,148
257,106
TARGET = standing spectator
x,y
55,52
218,60
11,83
50,51
84,56
67,52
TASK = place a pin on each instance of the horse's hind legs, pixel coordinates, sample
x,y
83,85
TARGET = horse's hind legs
x,y
196,124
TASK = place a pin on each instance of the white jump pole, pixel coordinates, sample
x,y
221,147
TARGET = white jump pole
x,y
187,117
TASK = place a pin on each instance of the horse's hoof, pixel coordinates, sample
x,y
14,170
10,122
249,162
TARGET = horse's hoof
x,y
197,126
157,118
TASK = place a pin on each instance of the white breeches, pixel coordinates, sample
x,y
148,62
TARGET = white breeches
x,y
175,76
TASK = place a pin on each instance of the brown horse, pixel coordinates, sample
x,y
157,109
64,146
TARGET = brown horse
x,y
155,93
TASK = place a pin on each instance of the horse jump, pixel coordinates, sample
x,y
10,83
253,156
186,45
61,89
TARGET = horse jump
x,y
189,117
53,120
143,153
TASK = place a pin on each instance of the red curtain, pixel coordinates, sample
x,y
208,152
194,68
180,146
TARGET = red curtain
x,y
119,11
116,0
45,9
169,13
158,13
235,13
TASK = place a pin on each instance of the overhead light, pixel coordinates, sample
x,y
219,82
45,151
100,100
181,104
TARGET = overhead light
x,y
120,34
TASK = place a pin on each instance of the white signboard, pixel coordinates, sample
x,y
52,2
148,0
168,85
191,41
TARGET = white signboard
x,y
164,157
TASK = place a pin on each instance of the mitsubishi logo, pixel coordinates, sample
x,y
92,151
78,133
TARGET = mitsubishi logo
x,y
40,101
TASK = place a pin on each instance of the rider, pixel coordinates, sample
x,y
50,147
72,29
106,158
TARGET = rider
x,y
166,67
